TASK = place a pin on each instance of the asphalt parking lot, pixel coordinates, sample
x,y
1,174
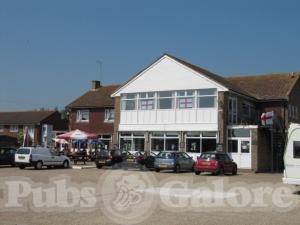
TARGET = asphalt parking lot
x,y
109,196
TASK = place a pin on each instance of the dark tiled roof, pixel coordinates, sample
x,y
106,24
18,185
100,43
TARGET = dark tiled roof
x,y
267,87
98,98
20,118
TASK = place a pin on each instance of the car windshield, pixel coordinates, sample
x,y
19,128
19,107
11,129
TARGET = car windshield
x,y
208,156
165,155
103,153
24,151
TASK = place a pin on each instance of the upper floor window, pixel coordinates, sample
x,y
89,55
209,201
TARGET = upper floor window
x,y
1,128
293,112
83,116
207,98
165,100
185,99
109,115
246,107
13,128
146,101
128,102
232,110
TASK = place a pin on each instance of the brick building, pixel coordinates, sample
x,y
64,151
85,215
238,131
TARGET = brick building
x,y
173,105
94,112
40,125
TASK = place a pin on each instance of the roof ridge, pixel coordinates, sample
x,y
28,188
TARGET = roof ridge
x,y
263,75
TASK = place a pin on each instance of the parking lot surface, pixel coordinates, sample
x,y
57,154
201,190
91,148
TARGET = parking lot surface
x,y
106,196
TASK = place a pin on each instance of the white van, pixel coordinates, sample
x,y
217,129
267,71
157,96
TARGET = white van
x,y
39,157
291,174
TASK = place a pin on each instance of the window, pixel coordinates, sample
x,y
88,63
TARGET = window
x,y
1,128
232,146
240,132
293,112
297,149
132,141
165,100
164,141
197,142
109,115
128,102
83,116
30,130
185,99
246,107
146,101
232,110
13,128
207,98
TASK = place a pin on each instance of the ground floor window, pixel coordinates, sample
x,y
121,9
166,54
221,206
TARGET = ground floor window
x,y
197,142
132,141
106,140
161,141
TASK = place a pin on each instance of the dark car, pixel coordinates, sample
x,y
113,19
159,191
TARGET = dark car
x,y
7,156
139,160
215,162
176,161
106,157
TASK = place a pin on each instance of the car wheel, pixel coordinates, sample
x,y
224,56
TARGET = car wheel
x,y
13,165
39,165
197,172
234,171
66,164
221,171
22,167
177,168
157,170
99,166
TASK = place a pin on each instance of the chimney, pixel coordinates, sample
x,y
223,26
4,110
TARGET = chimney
x,y
96,84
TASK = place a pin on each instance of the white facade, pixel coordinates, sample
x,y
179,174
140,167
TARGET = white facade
x,y
169,75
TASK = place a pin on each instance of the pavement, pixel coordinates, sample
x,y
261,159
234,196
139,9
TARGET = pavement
x,y
106,196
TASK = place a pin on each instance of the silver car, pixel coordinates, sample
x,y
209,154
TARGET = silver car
x,y
176,161
39,157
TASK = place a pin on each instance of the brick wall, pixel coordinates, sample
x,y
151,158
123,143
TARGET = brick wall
x,y
96,122
294,100
222,118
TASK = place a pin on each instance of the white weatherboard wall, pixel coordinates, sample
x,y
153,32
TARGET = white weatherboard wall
x,y
169,75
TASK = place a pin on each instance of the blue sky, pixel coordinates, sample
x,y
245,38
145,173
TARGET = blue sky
x,y
49,49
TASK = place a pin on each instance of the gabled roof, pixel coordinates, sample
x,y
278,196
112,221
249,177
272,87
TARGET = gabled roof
x,y
98,98
20,118
267,87
214,77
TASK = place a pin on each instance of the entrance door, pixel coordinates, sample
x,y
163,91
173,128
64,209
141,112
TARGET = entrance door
x,y
240,151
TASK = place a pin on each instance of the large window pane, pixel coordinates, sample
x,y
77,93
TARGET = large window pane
x,y
165,103
172,144
157,144
207,102
138,144
209,145
232,146
125,144
128,105
245,146
193,145
185,103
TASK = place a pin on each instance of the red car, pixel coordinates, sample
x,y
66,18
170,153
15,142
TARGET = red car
x,y
216,163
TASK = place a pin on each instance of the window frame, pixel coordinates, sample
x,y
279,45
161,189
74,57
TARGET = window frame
x,y
172,98
125,99
147,99
108,112
185,97
14,130
199,96
79,116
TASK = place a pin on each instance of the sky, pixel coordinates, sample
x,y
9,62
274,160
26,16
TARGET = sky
x,y
51,50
